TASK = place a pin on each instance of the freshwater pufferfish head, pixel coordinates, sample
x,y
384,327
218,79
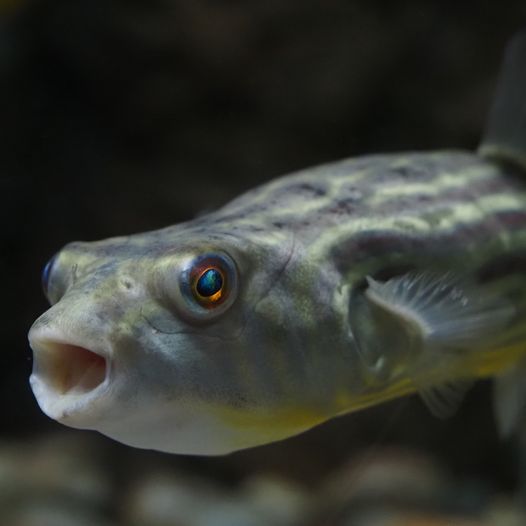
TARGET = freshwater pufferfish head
x,y
185,340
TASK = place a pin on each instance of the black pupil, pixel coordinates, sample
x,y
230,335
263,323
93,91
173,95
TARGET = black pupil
x,y
210,282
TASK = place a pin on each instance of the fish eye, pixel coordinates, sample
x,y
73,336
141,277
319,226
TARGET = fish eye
x,y
46,274
208,285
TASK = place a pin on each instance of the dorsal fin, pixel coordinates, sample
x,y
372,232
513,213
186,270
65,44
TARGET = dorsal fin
x,y
505,135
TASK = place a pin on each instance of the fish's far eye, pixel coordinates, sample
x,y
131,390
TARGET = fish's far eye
x,y
46,275
208,285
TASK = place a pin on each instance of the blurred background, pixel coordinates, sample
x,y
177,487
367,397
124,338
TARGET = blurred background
x,y
119,116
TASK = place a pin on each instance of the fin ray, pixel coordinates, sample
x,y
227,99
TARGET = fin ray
x,y
444,312
422,326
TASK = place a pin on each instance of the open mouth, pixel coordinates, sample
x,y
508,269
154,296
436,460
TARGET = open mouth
x,y
68,369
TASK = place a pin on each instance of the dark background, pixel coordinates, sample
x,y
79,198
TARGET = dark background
x,y
124,116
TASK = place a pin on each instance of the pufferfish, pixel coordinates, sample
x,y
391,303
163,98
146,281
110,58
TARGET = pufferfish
x,y
317,294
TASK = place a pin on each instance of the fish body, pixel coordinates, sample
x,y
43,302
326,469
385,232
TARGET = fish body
x,y
314,295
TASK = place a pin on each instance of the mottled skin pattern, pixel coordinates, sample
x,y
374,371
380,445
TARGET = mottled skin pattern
x,y
283,356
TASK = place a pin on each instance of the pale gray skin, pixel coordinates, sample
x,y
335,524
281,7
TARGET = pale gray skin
x,y
282,357
170,379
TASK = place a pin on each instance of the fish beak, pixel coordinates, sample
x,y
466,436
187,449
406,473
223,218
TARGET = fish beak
x,y
66,377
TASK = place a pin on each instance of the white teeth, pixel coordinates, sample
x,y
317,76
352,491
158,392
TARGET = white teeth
x,y
68,368
66,377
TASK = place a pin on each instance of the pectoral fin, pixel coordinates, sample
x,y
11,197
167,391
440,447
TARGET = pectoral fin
x,y
425,324
441,311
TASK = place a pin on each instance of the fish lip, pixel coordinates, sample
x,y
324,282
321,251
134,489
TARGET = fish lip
x,y
72,407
